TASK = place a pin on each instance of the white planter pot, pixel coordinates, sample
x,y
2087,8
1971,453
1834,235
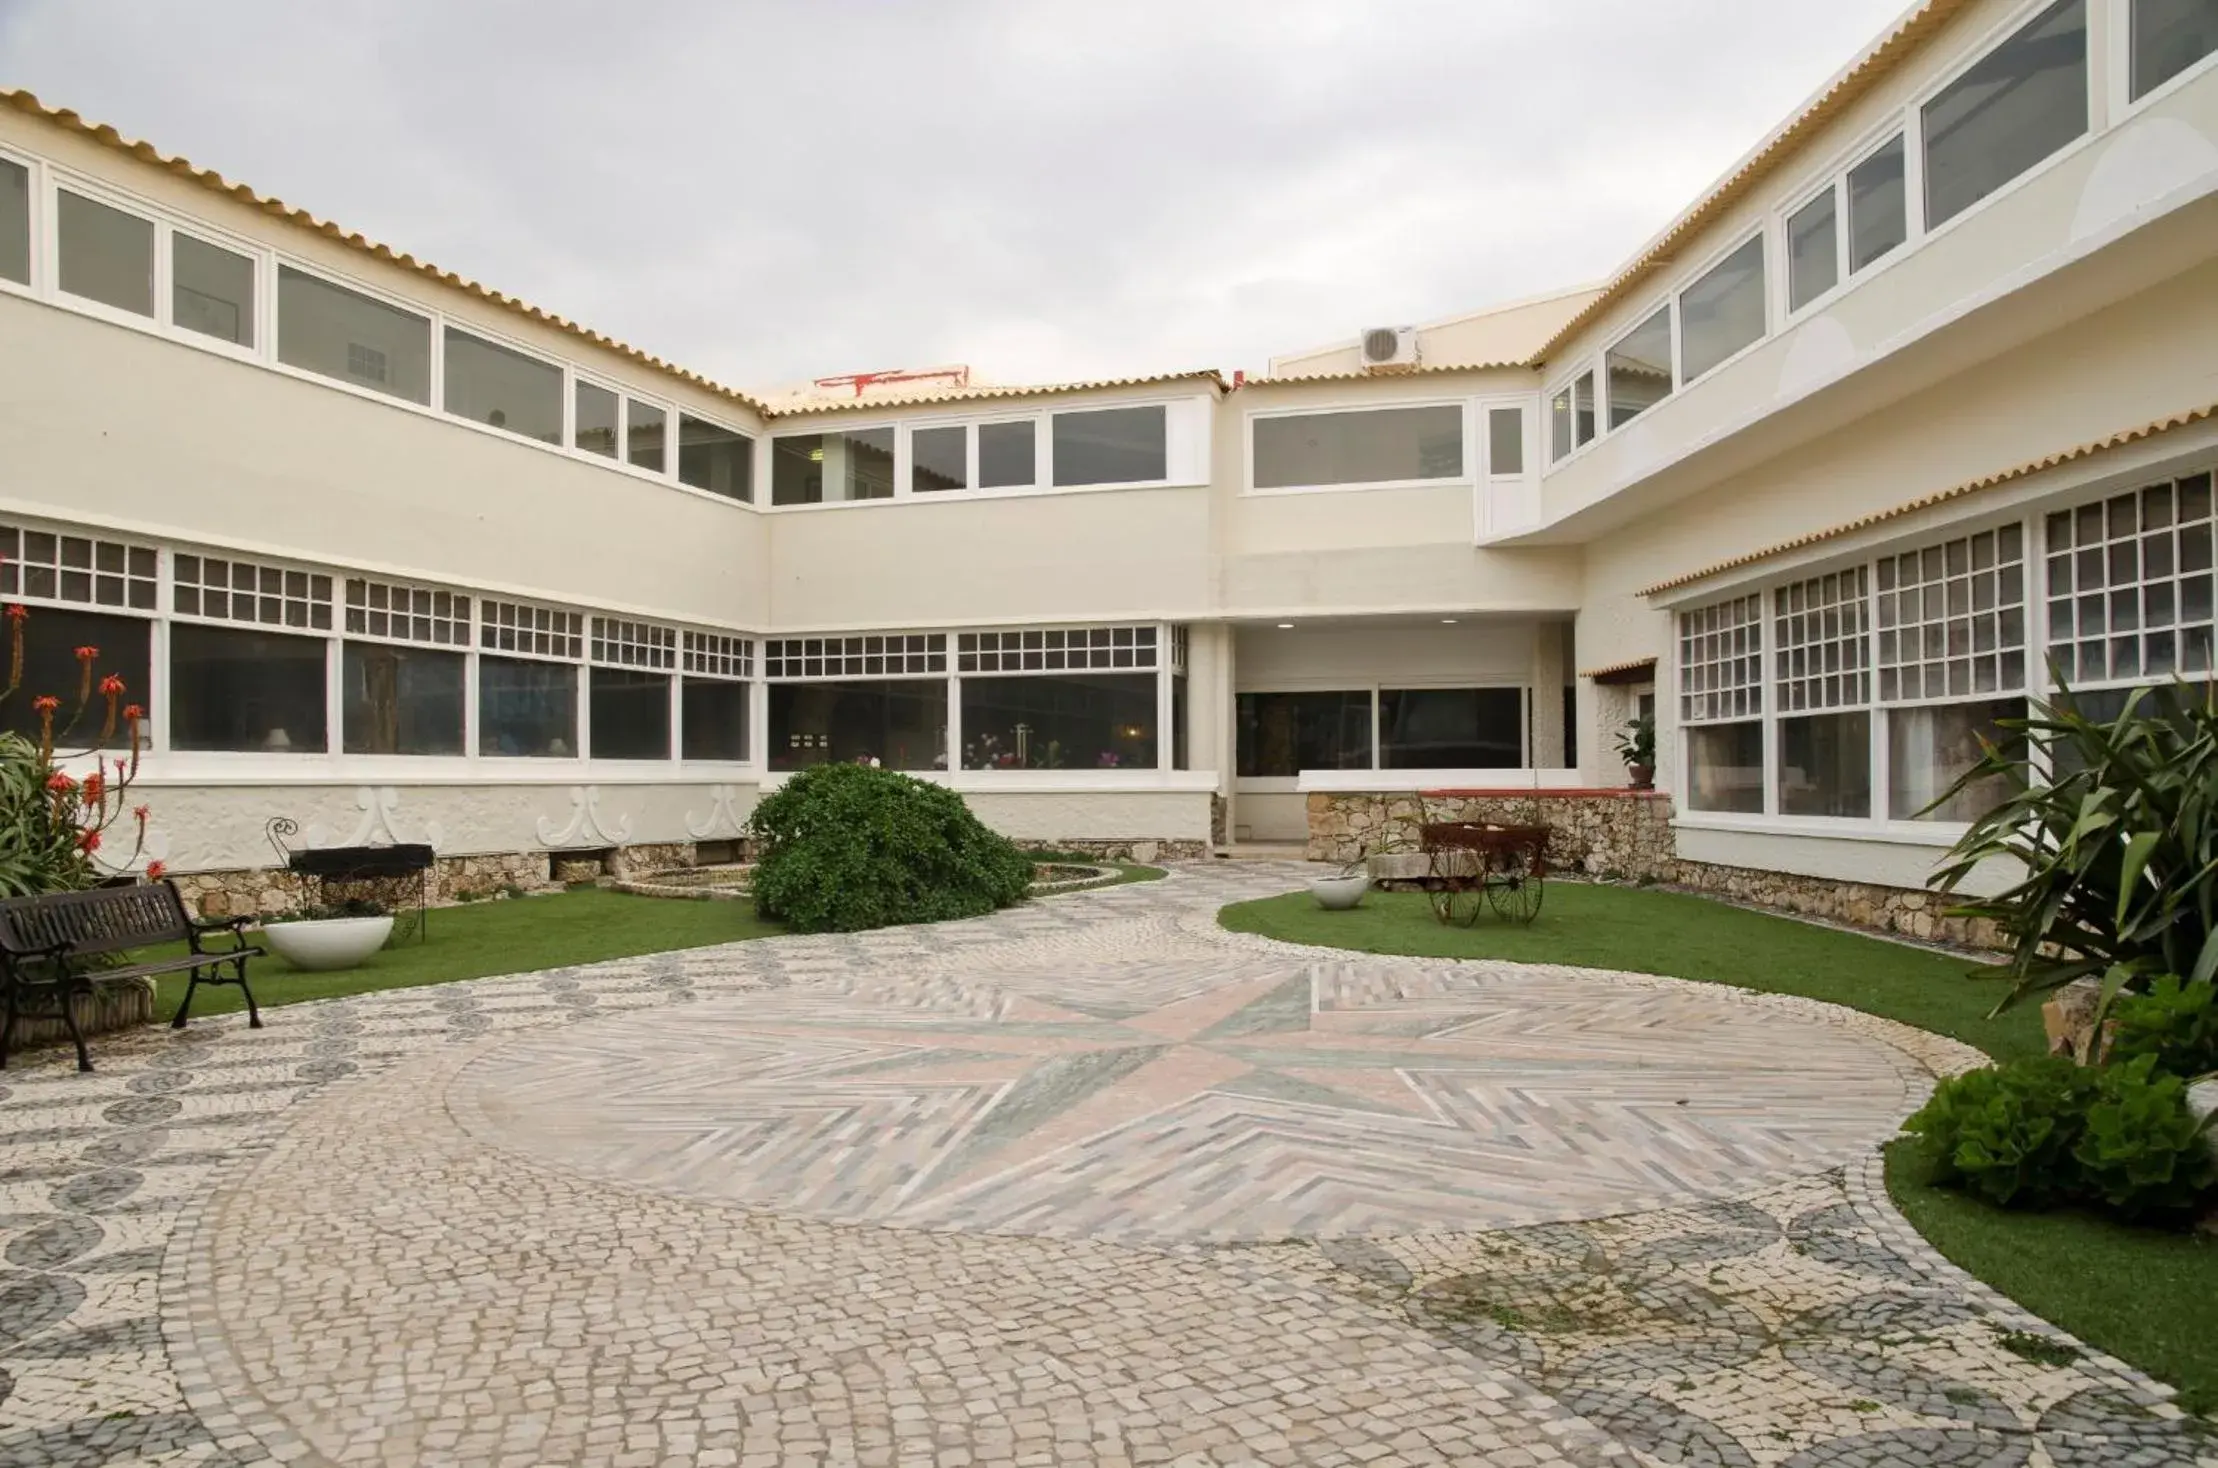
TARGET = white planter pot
x,y
327,943
1338,894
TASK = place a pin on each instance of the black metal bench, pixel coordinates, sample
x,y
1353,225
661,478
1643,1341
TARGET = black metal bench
x,y
45,940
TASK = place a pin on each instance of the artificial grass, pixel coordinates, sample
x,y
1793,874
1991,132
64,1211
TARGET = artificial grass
x,y
2141,1295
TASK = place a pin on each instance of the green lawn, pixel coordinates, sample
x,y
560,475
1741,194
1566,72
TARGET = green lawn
x,y
2138,1294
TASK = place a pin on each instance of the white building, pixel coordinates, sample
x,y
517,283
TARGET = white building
x,y
1915,400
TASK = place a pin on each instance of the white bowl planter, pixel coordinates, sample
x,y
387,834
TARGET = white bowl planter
x,y
327,943
1338,894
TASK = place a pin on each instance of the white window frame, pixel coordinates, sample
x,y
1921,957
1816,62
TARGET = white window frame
x,y
1688,279
36,199
1045,464
905,459
1567,385
900,469
100,191
1483,411
2119,70
1602,407
1472,451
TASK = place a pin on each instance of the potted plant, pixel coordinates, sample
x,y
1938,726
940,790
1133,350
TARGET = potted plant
x,y
1636,745
319,939
1345,888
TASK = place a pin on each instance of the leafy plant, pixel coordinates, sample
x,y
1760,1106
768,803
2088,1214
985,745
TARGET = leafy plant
x,y
2116,845
2006,1132
1636,741
2141,1150
2175,1023
353,907
53,822
844,847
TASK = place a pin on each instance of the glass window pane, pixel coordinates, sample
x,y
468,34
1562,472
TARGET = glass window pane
x,y
596,426
15,222
1451,729
630,713
1878,207
211,290
1929,748
1723,311
645,429
1825,765
1111,446
715,720
238,690
106,254
402,700
899,724
1505,441
1102,721
344,335
715,458
1007,454
51,637
527,708
1725,767
1559,425
2169,36
1379,447
818,468
1582,408
1282,734
2021,102
1639,368
1813,251
939,458
490,384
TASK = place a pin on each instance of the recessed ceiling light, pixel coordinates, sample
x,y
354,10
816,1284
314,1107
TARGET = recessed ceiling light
x,y
1286,626
1447,621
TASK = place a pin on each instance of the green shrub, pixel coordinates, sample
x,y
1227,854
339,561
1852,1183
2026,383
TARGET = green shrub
x,y
844,847
2006,1132
2141,1151
2174,1022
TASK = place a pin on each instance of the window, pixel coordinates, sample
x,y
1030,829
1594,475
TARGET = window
x,y
211,290
2169,36
715,458
1725,767
1821,668
1723,311
491,384
1282,734
1813,251
540,631
407,613
645,429
818,468
1381,446
527,709
1571,416
1505,442
1102,721
401,700
596,420
2130,585
1451,729
715,720
1930,746
1952,640
231,689
623,644
901,725
106,255
1007,454
15,222
42,566
1638,368
630,713
2018,104
1052,649
939,458
1878,205
856,657
1721,705
719,656
344,335
51,637
242,591
1111,446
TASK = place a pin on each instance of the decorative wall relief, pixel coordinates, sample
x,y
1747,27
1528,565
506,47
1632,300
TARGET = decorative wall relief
x,y
723,818
585,827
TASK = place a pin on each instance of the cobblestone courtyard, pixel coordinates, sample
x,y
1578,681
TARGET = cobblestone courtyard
x,y
1088,1182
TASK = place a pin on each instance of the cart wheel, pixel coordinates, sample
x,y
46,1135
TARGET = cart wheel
x,y
1443,903
1515,887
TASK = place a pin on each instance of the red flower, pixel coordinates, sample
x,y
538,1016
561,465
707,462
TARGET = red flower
x,y
133,712
46,703
112,685
141,812
93,782
87,654
17,611
155,871
88,842
60,782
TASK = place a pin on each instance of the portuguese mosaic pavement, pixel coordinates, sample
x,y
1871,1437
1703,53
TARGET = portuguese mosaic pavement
x,y
1088,1182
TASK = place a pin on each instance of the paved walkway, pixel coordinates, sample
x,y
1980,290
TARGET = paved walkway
x,y
1088,1182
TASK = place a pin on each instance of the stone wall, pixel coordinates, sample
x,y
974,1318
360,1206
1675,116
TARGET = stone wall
x,y
1143,852
1626,836
273,889
116,1004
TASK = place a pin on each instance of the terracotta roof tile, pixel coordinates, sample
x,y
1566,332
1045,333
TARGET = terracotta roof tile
x,y
803,407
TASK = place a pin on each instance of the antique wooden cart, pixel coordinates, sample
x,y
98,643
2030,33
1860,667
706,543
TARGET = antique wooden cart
x,y
1472,865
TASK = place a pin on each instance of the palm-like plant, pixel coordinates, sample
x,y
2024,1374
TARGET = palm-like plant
x,y
2115,846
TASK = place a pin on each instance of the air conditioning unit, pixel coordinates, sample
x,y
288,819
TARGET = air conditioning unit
x,y
1390,349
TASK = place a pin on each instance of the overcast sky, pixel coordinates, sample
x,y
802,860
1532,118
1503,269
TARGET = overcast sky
x,y
1044,189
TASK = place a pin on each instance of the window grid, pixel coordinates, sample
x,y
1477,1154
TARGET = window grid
x,y
507,626
621,644
1055,649
407,613
1821,642
226,590
714,655
1178,649
1952,618
44,565
1721,661
876,655
2129,585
